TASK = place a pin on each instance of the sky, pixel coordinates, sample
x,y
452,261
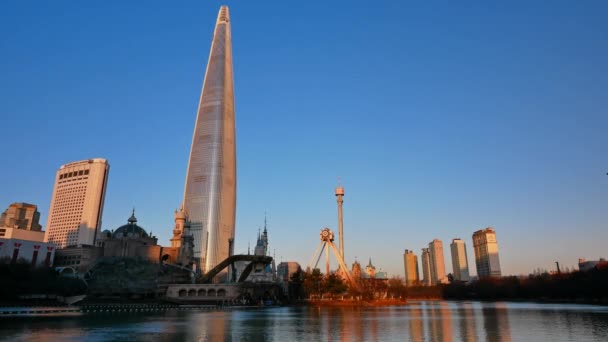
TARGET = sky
x,y
439,118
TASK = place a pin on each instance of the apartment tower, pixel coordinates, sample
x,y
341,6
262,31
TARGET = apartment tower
x,y
410,262
426,267
437,262
77,203
460,263
486,253
210,190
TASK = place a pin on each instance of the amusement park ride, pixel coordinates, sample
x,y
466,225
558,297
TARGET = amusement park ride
x,y
327,243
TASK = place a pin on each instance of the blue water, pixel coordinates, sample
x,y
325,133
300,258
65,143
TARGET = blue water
x,y
418,321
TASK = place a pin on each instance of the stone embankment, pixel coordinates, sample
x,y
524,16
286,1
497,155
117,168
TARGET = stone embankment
x,y
99,308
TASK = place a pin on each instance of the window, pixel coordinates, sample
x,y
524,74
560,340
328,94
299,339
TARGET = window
x,y
15,255
34,258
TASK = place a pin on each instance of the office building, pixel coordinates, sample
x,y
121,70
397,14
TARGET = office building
x,y
20,221
437,262
77,203
426,267
486,253
21,216
460,264
410,263
210,190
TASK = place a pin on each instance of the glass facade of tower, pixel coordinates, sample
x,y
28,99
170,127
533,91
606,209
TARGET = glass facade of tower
x,y
210,191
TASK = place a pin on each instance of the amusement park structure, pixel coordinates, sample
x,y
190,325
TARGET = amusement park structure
x,y
327,243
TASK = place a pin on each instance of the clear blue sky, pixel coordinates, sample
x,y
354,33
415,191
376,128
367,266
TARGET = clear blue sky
x,y
440,119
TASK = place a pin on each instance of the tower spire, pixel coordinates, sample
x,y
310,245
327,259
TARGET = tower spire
x,y
340,201
265,231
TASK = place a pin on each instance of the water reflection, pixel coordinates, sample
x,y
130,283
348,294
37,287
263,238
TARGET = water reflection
x,y
467,325
417,321
496,322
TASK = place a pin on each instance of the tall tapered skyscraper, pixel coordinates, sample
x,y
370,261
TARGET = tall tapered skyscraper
x,y
210,191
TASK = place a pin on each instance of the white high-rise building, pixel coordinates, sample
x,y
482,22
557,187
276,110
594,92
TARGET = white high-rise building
x,y
437,262
77,203
460,262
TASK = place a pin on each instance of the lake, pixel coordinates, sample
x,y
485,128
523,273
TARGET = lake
x,y
418,321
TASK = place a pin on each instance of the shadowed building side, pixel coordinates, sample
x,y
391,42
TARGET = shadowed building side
x,y
210,190
460,264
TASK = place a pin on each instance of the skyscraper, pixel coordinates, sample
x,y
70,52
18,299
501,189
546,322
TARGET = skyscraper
x,y
77,203
426,267
210,191
437,262
486,253
410,262
460,262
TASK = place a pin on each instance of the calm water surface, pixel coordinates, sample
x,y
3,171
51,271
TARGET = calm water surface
x,y
419,321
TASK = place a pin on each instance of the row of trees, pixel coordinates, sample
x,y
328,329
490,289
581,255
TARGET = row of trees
x,y
586,286
576,286
316,285
22,278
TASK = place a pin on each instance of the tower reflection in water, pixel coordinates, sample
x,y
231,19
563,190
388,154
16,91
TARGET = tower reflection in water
x,y
458,321
467,319
496,322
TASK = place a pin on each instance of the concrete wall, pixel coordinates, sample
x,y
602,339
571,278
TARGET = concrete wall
x,y
26,250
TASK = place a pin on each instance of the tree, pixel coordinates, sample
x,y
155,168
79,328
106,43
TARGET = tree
x,y
333,284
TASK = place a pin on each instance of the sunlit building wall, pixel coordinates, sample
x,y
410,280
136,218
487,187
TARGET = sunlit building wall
x,y
460,263
486,253
210,190
410,263
21,216
77,203
437,262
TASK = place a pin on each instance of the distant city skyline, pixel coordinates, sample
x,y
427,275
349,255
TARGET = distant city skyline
x,y
439,122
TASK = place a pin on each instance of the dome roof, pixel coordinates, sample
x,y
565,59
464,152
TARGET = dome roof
x,y
130,229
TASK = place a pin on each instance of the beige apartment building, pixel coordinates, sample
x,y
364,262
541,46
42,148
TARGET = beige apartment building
x,y
77,203
410,263
437,262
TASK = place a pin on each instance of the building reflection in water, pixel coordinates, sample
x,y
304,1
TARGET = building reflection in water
x,y
439,321
213,326
468,330
496,322
416,323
